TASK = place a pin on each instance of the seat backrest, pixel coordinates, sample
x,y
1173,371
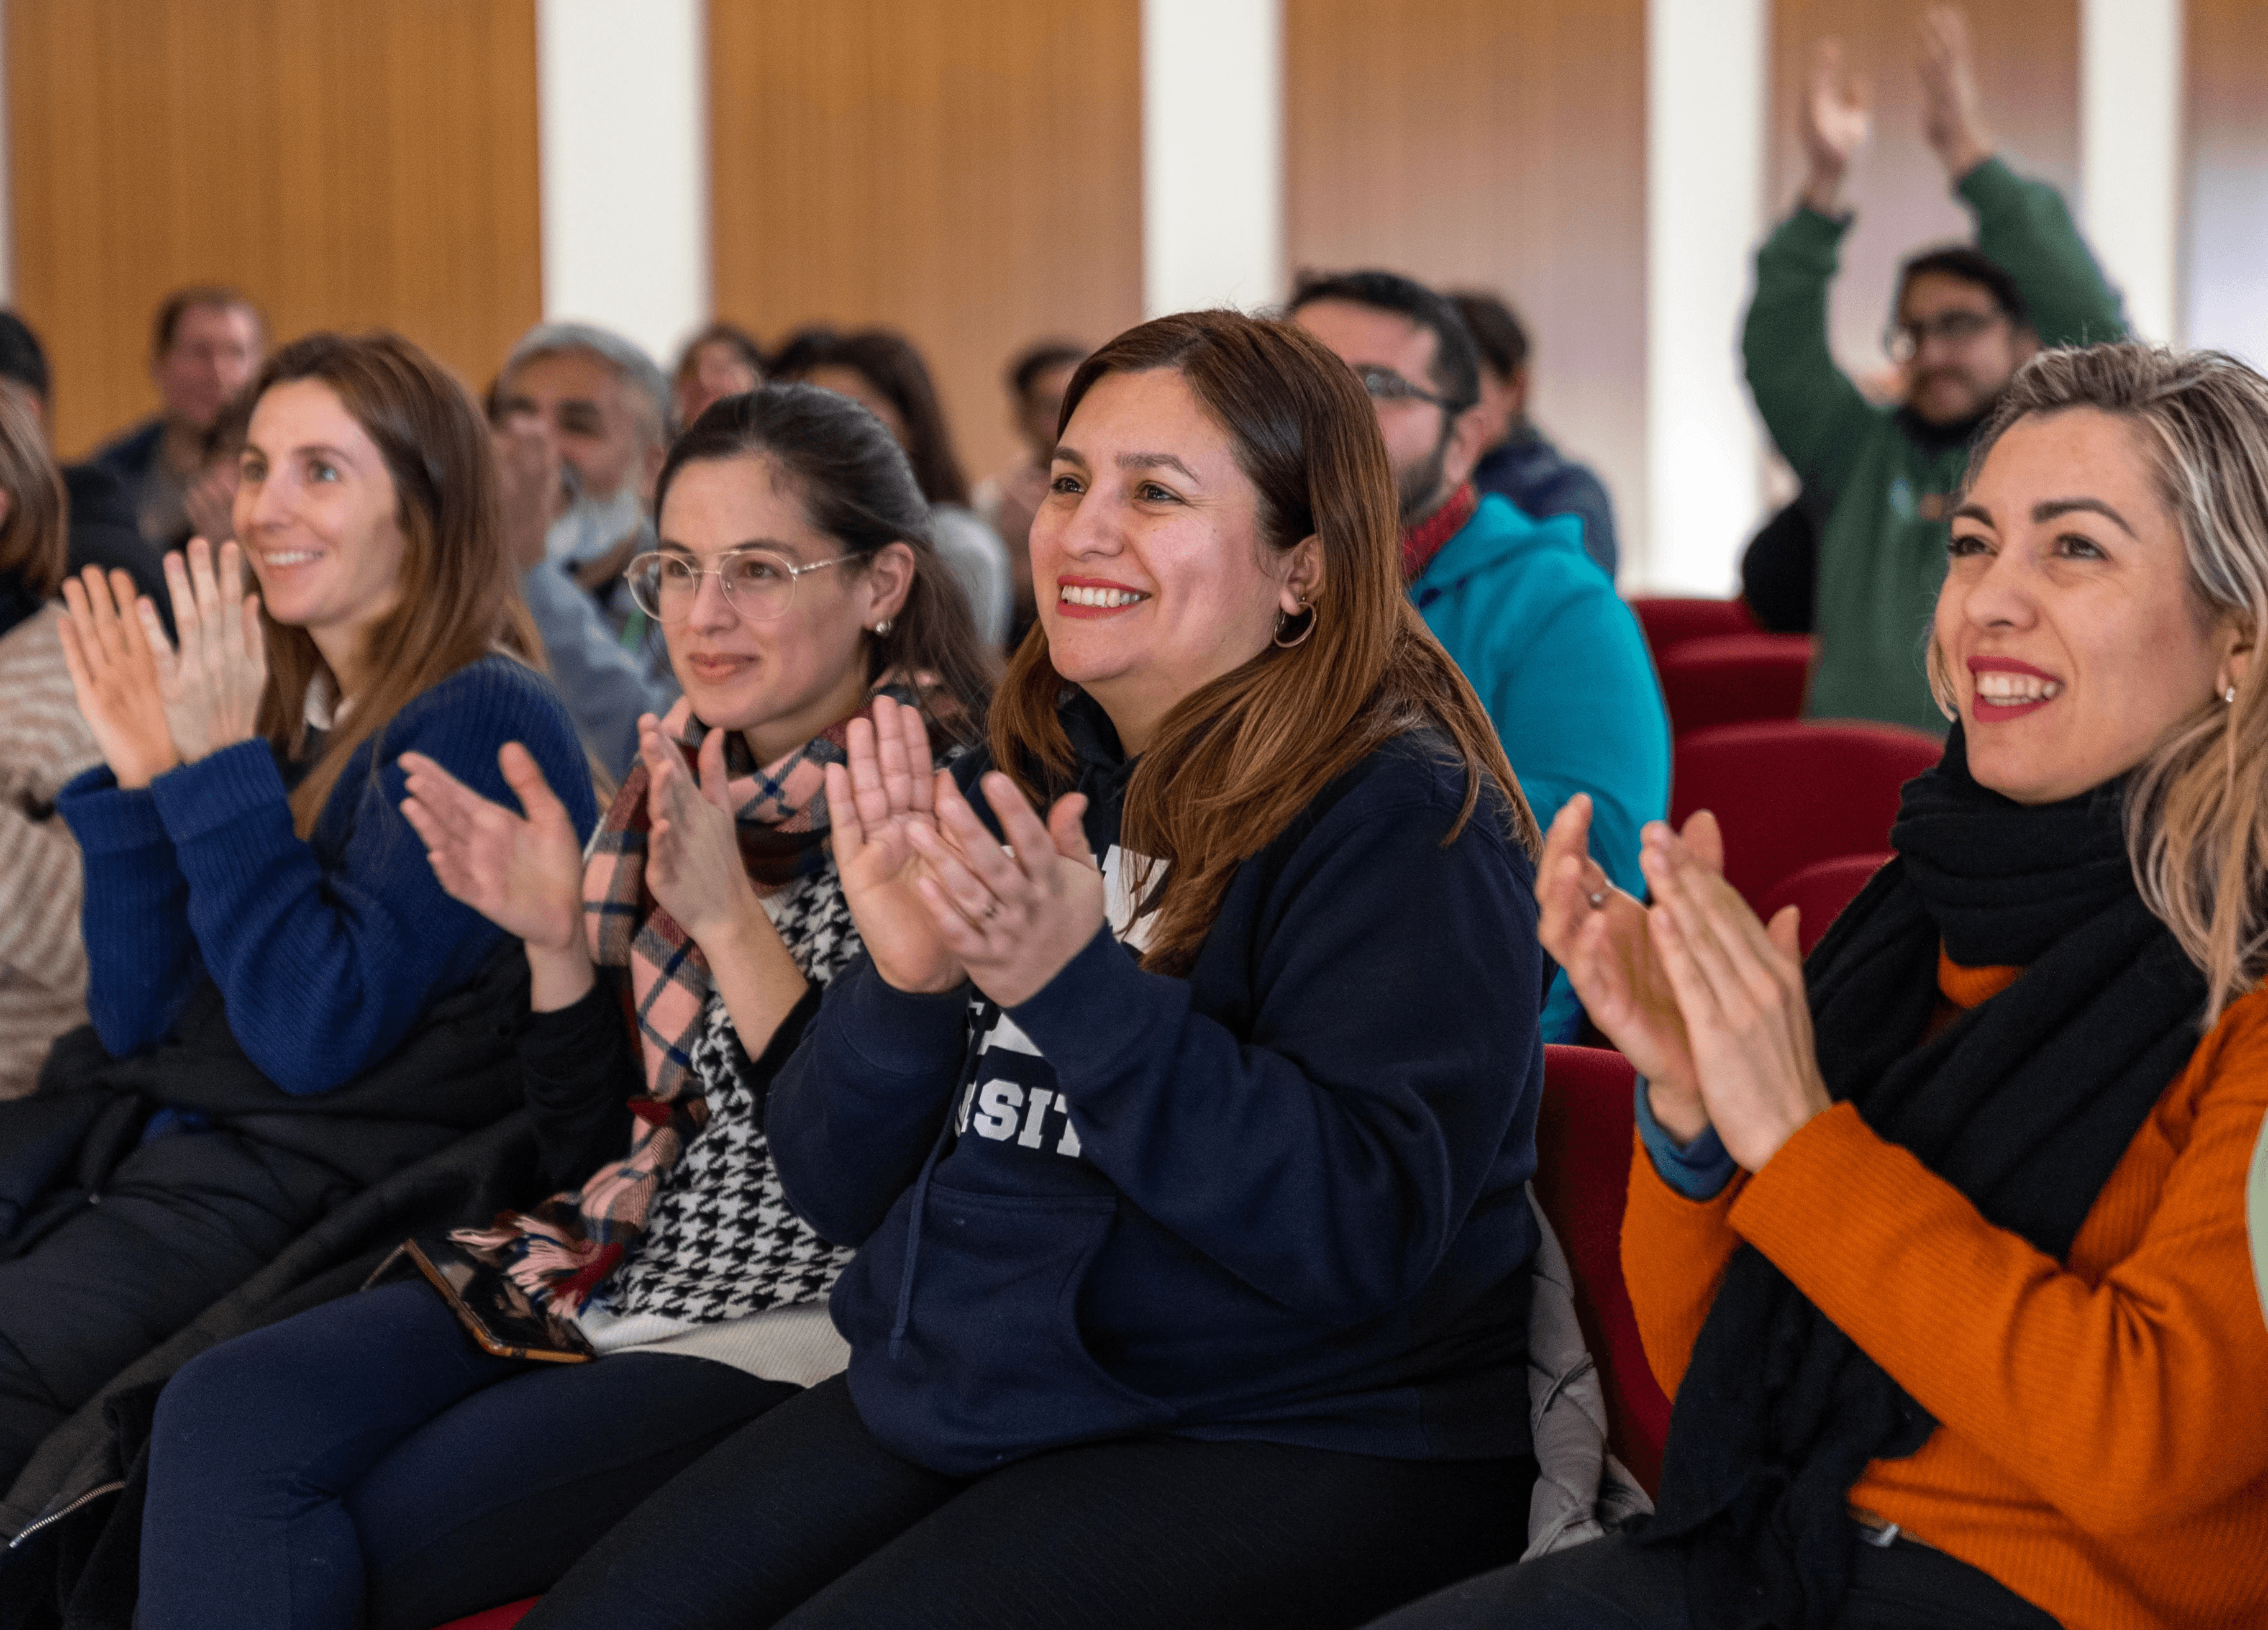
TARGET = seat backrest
x,y
1819,891
495,1618
1794,792
1670,620
1583,1134
1728,679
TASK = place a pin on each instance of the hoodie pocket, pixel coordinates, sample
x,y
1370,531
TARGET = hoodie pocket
x,y
993,1365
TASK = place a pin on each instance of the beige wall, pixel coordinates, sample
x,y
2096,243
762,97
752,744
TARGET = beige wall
x,y
967,171
2225,240
1476,143
347,165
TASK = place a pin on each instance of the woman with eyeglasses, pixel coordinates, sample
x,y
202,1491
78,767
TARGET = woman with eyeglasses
x,y
399,1475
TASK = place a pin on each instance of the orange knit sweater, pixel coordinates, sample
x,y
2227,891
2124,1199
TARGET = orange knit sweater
x,y
2102,1448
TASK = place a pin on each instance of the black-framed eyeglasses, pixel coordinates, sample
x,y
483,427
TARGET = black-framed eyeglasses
x,y
1385,385
1904,340
758,584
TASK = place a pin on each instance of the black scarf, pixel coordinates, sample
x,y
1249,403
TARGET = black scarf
x,y
17,603
2025,1104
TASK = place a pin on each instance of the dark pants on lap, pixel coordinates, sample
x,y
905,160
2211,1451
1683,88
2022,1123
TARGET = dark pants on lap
x,y
802,1519
1614,1585
368,1451
183,1221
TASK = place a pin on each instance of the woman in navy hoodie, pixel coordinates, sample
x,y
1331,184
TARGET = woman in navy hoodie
x,y
1183,1140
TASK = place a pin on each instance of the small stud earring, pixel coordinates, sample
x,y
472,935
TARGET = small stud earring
x,y
882,627
2230,695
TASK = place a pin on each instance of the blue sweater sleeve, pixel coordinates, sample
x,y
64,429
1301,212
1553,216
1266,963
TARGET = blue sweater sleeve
x,y
856,1108
1699,1170
327,953
1330,1153
1572,695
141,957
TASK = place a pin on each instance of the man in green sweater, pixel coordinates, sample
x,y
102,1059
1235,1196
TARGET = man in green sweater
x,y
1966,319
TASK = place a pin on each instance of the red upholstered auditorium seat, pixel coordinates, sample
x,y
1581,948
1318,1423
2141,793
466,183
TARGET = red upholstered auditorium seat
x,y
1670,620
1728,679
495,1618
1583,1140
1794,792
1819,891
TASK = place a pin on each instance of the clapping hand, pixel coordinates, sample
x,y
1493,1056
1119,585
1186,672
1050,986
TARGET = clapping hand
x,y
693,861
1837,121
523,873
1015,916
1952,110
211,688
113,674
1610,960
1739,989
886,791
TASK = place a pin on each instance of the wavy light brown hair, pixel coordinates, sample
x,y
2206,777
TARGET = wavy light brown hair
x,y
460,599
1234,762
34,539
2197,809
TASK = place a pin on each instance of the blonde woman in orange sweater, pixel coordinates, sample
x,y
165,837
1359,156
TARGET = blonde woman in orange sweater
x,y
1939,1239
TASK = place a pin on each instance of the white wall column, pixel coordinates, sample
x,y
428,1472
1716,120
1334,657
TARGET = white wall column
x,y
1212,153
1704,164
622,115
2130,154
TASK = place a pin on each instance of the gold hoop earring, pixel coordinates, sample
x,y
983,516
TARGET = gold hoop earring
x,y
1306,632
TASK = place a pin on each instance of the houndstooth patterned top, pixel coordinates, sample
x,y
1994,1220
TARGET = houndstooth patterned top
x,y
722,1242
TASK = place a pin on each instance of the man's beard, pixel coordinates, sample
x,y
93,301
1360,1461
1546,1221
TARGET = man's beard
x,y
1418,488
592,527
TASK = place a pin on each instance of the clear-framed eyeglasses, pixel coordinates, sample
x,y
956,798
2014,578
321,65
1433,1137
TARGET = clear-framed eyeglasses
x,y
1903,341
758,584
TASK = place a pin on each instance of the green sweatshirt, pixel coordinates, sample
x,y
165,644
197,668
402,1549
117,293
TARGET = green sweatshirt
x,y
1882,553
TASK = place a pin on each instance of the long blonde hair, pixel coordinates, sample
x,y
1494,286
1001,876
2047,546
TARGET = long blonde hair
x,y
1233,763
460,599
2196,810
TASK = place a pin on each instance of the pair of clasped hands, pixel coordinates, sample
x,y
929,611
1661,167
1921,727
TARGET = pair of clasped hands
x,y
1704,999
936,898
152,706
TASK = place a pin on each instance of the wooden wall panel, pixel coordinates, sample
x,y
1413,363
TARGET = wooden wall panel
x,y
967,171
2225,247
2028,71
347,165
1473,143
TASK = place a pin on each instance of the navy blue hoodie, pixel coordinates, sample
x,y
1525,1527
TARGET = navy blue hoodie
x,y
1280,1198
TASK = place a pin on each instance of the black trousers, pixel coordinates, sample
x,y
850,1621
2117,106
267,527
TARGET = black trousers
x,y
802,1519
1614,1585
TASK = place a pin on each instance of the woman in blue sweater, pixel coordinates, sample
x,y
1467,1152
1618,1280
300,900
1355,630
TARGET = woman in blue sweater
x,y
1182,1147
300,1005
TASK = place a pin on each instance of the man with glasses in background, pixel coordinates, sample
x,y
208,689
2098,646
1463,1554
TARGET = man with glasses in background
x,y
1557,658
1966,319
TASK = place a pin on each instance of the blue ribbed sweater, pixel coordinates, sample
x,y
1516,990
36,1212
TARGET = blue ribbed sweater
x,y
327,950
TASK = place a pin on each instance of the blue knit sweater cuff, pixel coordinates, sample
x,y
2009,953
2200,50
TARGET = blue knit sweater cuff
x,y
108,818
219,790
1699,1170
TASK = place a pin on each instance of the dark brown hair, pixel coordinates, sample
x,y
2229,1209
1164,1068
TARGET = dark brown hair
x,y
180,302
460,599
856,487
1233,763
34,539
889,363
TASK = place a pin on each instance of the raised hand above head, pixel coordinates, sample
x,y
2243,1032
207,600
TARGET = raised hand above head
x,y
1015,916
887,791
114,675
1953,119
211,688
523,872
1836,119
1739,990
693,853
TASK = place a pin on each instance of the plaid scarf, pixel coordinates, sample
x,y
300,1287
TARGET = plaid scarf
x,y
564,1249
1428,537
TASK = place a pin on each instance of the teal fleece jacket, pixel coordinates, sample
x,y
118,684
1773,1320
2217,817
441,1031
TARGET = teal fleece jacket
x,y
1563,670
